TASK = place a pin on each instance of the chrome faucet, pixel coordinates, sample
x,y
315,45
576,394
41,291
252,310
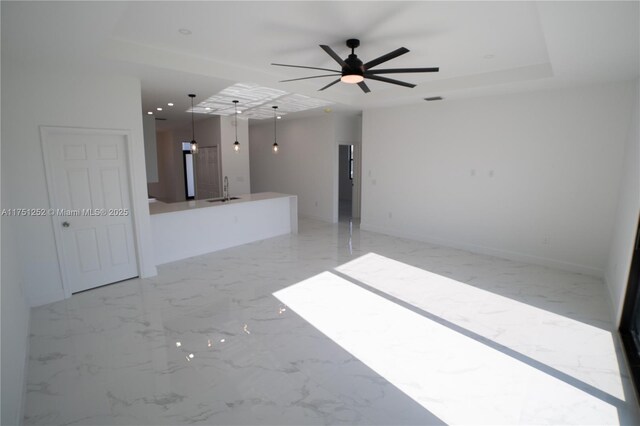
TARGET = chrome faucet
x,y
225,189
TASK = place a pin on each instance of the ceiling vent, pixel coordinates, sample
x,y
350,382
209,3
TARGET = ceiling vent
x,y
435,98
160,119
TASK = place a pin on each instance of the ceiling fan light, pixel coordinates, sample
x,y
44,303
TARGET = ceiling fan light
x,y
352,78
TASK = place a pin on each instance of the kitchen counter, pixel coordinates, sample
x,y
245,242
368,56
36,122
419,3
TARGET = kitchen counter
x,y
159,207
191,228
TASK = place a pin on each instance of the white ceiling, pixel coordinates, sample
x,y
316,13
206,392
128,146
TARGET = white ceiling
x,y
481,47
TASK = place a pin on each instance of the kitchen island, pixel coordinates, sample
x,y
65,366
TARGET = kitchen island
x,y
191,228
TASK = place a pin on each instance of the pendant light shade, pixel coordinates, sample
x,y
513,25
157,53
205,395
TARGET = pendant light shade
x,y
236,144
194,144
275,140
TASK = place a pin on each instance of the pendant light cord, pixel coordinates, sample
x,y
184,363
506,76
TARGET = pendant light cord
x,y
193,128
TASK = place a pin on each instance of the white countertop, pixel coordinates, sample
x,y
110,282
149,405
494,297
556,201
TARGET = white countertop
x,y
159,207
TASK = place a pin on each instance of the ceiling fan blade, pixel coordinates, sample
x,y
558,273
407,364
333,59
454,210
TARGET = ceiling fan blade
x,y
306,78
385,58
403,70
364,87
330,84
388,80
309,68
333,54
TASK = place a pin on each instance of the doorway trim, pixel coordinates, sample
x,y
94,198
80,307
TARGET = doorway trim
x,y
356,201
45,132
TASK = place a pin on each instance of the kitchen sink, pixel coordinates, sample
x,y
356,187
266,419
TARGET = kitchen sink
x,y
222,200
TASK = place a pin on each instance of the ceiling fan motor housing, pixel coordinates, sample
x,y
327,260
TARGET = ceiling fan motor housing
x,y
354,66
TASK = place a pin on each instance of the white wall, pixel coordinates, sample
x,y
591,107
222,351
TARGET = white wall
x,y
150,147
15,313
235,164
170,182
348,127
15,327
530,176
620,254
34,96
306,164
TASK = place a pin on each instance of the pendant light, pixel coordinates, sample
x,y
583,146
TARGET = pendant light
x,y
275,119
236,144
194,144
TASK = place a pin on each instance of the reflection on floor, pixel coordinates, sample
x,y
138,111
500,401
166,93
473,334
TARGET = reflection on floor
x,y
332,327
344,210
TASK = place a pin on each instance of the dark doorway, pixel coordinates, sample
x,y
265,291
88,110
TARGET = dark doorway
x,y
630,322
345,182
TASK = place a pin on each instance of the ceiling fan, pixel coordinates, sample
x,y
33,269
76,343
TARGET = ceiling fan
x,y
355,72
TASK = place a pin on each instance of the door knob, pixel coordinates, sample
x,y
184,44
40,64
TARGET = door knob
x,y
65,224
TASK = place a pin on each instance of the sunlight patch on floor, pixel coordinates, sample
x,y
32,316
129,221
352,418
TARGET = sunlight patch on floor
x,y
576,348
457,378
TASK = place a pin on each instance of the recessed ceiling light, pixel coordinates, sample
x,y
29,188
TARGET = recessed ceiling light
x,y
184,31
150,112
159,109
239,112
279,117
208,108
170,104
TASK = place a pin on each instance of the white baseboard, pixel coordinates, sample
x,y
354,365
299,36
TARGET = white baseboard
x,y
505,254
323,219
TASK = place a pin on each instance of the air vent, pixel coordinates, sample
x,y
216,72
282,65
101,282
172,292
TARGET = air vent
x,y
435,98
160,119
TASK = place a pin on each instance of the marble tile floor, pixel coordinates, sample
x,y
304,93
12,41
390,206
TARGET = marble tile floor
x,y
332,326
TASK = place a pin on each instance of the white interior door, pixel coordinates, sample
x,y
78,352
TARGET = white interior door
x,y
88,179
